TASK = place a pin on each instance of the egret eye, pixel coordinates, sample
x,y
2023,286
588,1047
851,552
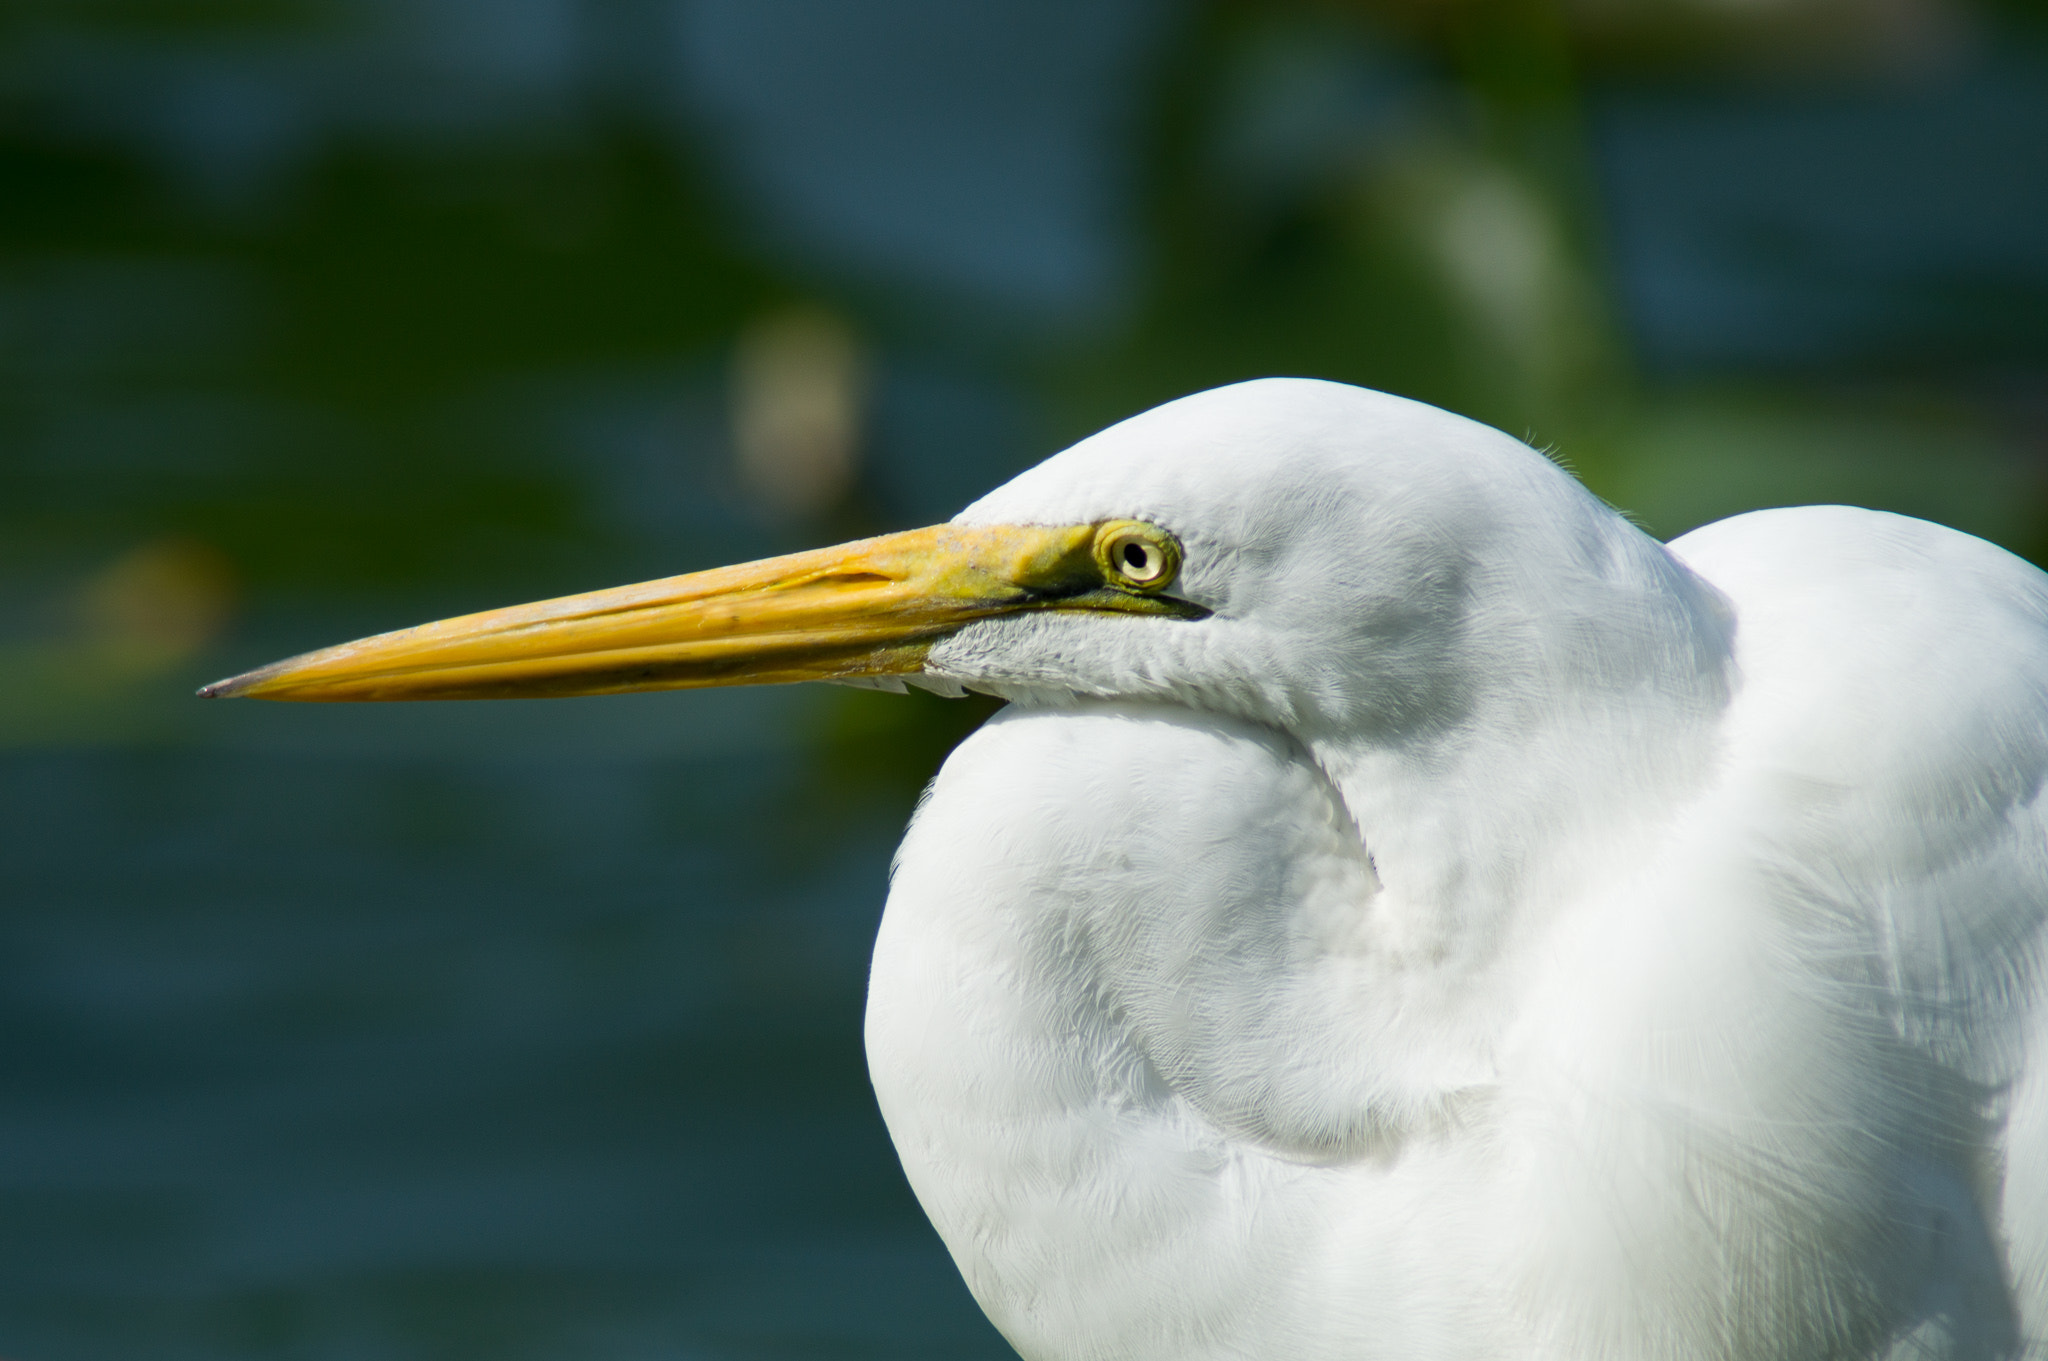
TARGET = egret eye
x,y
1134,554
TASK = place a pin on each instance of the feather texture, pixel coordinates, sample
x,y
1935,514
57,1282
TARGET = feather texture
x,y
1490,933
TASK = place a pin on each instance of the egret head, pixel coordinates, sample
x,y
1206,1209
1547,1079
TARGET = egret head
x,y
1364,562
1296,552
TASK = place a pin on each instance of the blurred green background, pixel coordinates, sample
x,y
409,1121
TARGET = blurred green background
x,y
532,1030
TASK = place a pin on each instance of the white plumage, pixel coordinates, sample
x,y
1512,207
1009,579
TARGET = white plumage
x,y
1490,933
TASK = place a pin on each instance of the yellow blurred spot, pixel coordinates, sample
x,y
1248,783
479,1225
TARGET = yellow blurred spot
x,y
799,389
113,674
170,597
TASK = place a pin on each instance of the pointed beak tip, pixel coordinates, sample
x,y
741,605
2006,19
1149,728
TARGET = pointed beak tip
x,y
234,687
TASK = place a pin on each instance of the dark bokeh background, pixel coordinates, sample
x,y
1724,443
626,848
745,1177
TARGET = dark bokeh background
x,y
532,1030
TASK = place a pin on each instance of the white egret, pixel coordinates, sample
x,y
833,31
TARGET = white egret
x,y
1407,911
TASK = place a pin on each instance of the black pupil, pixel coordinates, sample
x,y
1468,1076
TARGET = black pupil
x,y
1135,557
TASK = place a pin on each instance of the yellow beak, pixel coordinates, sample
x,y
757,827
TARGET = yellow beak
x,y
871,608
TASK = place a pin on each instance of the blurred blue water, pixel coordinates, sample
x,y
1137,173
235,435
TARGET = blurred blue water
x,y
402,1055
1834,225
980,150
